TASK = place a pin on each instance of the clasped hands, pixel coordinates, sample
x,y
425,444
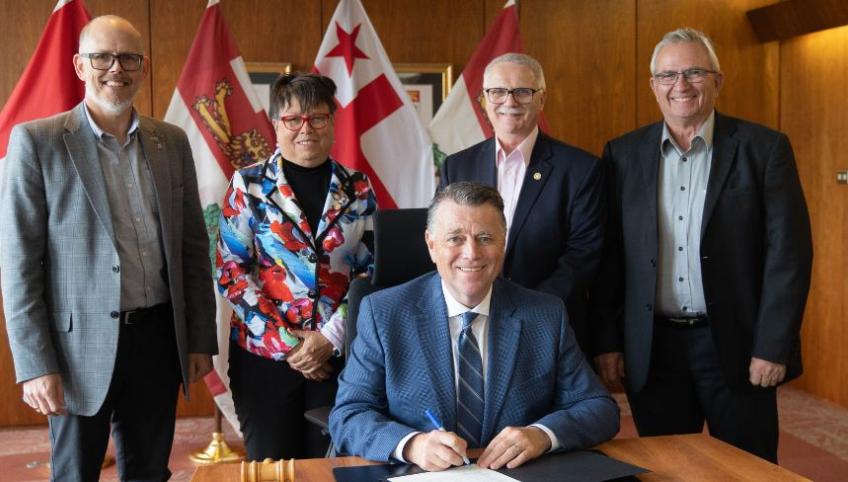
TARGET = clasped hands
x,y
439,450
311,356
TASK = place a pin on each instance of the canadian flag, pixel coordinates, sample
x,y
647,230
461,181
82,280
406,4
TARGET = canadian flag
x,y
376,127
216,105
49,84
461,121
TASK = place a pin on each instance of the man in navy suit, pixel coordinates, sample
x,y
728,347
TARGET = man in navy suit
x,y
495,362
703,289
552,192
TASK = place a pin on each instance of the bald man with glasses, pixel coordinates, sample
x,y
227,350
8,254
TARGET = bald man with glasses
x,y
552,192
106,281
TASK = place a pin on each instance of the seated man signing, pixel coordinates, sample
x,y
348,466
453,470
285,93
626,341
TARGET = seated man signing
x,y
496,363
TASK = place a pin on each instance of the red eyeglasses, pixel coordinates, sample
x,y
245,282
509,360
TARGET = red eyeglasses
x,y
295,122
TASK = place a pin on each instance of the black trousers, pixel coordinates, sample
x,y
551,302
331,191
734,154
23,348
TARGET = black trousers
x,y
140,406
686,387
270,398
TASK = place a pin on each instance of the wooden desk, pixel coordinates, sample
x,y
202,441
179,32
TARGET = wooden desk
x,y
695,457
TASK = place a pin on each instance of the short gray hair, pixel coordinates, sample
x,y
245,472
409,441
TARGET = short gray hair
x,y
686,34
520,59
466,193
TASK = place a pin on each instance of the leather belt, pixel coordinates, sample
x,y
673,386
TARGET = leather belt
x,y
681,322
143,315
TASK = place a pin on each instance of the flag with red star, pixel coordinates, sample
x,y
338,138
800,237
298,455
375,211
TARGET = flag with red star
x,y
376,127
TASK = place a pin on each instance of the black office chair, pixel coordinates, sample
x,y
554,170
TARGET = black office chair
x,y
400,254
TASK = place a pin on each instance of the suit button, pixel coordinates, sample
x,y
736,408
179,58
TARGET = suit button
x,y
116,269
649,306
653,262
312,293
313,257
115,314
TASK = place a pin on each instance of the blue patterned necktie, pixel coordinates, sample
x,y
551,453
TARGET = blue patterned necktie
x,y
470,402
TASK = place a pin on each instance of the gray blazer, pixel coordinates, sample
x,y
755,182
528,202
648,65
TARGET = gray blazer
x,y
59,260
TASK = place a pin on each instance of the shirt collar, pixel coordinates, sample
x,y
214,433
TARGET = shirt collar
x,y
100,132
705,133
525,149
455,308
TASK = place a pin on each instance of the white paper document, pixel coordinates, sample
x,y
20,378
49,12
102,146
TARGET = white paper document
x,y
465,473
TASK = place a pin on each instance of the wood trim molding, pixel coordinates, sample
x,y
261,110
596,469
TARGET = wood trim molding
x,y
787,19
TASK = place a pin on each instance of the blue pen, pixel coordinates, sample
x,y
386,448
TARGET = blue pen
x,y
438,425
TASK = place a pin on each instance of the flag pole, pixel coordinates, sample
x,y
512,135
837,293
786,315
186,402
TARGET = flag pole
x,y
218,451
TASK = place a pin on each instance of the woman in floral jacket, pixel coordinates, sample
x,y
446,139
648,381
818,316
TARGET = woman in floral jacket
x,y
294,230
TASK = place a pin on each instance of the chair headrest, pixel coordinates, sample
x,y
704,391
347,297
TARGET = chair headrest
x,y
400,253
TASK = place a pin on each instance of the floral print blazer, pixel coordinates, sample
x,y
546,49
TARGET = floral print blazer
x,y
267,263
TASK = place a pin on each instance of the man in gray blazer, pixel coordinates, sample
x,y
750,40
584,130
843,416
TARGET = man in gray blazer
x,y
105,273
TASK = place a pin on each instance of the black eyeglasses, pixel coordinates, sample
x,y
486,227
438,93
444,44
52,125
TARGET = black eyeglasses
x,y
522,95
693,76
105,60
295,122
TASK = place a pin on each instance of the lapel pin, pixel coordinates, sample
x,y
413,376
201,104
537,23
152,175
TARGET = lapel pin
x,y
537,176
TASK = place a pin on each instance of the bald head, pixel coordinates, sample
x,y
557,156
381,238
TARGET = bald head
x,y
109,25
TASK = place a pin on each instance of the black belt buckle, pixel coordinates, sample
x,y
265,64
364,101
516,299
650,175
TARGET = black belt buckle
x,y
131,317
683,322
143,315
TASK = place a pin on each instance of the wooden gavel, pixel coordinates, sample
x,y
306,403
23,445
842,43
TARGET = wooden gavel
x,y
268,471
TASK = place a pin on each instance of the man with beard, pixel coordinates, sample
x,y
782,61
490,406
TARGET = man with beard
x,y
105,267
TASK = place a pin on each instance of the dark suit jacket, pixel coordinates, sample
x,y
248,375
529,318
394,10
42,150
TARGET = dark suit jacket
x,y
556,237
756,250
401,365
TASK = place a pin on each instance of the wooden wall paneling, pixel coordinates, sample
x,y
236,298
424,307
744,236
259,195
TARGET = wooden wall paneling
x,y
751,68
814,79
588,54
172,29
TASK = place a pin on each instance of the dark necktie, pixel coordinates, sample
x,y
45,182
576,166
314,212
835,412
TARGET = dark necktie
x,y
470,403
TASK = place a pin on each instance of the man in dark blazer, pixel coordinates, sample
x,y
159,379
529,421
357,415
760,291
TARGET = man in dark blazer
x,y
553,192
533,390
106,284
707,263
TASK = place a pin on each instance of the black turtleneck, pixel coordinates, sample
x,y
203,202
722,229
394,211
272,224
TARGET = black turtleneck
x,y
310,186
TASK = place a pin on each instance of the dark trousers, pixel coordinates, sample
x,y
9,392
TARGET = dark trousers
x,y
270,398
686,387
140,406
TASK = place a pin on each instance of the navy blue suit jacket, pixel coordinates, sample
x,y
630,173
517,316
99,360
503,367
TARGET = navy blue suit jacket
x,y
556,237
401,364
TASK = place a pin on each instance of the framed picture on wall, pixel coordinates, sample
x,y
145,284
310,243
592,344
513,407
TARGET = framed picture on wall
x,y
427,85
263,75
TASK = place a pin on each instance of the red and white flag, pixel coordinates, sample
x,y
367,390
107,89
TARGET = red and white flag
x,y
461,121
49,84
376,127
216,105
